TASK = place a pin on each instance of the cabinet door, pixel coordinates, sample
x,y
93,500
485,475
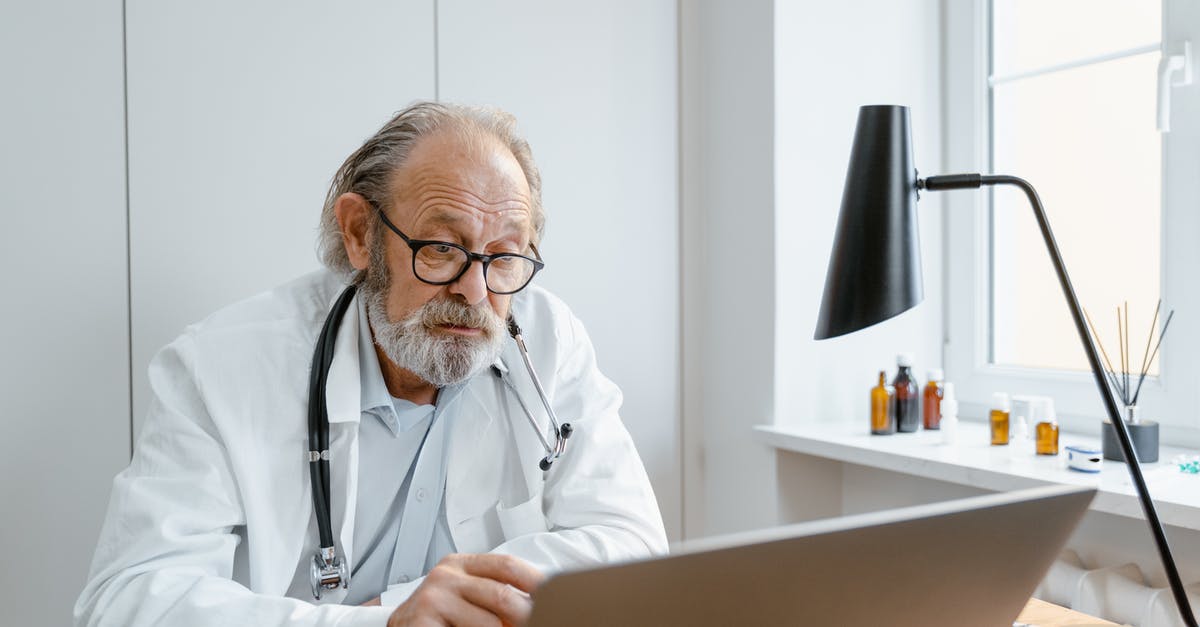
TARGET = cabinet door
x,y
594,86
64,374
239,115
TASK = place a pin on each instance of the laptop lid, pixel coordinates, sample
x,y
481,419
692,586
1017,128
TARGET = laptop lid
x,y
973,561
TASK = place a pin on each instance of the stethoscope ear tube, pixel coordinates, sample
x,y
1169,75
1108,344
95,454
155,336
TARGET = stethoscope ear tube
x,y
560,433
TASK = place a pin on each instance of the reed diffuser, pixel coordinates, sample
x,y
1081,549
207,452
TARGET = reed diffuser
x,y
1127,385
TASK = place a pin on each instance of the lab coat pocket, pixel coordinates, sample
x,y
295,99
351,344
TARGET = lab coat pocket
x,y
478,534
523,519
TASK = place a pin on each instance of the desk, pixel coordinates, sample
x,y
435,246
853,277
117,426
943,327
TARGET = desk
x,y
1043,614
975,464
835,469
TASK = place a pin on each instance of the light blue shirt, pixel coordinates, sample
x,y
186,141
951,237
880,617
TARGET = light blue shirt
x,y
400,528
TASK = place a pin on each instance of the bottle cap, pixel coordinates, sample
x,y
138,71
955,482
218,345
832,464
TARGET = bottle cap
x,y
1000,401
1045,410
935,374
904,360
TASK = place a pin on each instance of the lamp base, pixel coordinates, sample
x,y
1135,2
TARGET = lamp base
x,y
1143,435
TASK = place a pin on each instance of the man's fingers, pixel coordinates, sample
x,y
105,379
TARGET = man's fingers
x,y
472,590
453,608
503,568
497,599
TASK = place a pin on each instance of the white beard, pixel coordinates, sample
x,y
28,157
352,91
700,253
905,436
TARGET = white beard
x,y
439,358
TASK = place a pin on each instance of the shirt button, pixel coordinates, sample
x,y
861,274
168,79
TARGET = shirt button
x,y
404,579
420,494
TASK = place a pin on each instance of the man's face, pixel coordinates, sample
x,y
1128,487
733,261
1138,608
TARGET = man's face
x,y
473,194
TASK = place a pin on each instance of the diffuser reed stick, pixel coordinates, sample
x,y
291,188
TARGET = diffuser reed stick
x,y
1126,383
1160,339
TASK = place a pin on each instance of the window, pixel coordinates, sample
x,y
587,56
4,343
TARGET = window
x,y
1065,93
1067,112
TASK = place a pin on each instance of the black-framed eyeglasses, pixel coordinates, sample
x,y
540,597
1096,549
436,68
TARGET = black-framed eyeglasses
x,y
442,263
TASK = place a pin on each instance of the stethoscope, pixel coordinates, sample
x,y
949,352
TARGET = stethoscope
x,y
328,569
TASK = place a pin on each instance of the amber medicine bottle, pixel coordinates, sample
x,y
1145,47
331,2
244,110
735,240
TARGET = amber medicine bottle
x,y
906,399
999,418
932,400
882,422
1047,426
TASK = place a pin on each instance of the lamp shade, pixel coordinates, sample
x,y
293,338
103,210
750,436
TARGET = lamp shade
x,y
875,266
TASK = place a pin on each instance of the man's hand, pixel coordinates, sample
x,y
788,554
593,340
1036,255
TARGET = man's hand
x,y
483,589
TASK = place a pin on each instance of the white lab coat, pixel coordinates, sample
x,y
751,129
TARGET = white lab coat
x,y
212,523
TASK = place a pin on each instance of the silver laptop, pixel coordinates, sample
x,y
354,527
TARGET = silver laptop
x,y
968,562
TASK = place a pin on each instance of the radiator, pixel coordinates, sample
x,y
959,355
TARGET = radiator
x,y
1116,593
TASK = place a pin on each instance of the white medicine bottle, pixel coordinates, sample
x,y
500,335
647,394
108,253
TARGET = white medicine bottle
x,y
949,425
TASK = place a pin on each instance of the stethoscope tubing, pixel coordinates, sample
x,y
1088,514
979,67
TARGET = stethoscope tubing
x,y
328,569
318,419
537,384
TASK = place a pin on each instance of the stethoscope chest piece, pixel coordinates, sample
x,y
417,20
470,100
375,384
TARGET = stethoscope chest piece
x,y
327,572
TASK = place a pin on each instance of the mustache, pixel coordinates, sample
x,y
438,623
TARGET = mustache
x,y
447,312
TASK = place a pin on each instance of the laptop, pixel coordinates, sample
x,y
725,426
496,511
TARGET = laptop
x,y
972,562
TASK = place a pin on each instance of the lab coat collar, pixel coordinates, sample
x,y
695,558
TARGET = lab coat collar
x,y
343,388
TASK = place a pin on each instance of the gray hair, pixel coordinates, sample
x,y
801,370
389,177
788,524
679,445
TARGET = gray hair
x,y
370,170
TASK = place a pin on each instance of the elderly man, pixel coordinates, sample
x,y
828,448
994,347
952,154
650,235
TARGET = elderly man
x,y
443,490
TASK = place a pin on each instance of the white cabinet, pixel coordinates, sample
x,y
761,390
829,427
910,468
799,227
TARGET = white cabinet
x,y
64,374
239,115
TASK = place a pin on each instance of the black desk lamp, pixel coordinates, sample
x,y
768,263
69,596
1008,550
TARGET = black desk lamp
x,y
875,267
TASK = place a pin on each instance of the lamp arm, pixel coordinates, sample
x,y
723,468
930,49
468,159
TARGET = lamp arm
x,y
972,181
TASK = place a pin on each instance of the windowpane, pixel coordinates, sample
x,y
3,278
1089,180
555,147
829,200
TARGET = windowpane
x,y
1086,139
1031,34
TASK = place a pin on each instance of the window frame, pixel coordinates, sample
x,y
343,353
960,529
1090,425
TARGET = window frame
x,y
1171,398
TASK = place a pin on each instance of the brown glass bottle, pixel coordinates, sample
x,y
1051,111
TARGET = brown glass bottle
x,y
999,418
1047,428
906,402
932,405
882,422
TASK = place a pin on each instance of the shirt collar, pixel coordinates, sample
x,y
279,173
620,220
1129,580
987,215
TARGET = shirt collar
x,y
375,397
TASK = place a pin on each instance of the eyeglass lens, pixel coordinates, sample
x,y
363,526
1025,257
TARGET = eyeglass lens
x,y
439,263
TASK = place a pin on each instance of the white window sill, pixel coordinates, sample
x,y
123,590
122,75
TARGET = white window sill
x,y
974,462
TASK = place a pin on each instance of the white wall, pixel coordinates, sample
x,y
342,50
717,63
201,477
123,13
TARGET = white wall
x,y
728,262
594,86
64,376
831,58
771,92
